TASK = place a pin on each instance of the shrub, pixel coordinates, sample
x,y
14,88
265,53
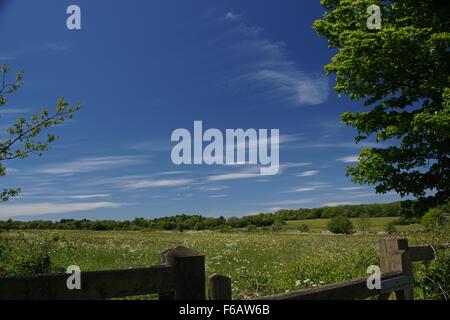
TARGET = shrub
x,y
364,222
432,278
390,228
340,224
181,227
435,280
303,228
21,256
435,218
224,229
279,226
401,221
404,221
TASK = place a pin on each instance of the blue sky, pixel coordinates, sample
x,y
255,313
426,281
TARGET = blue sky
x,y
142,69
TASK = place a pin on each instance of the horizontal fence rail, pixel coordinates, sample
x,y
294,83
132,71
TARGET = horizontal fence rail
x,y
421,253
425,253
348,290
180,276
94,285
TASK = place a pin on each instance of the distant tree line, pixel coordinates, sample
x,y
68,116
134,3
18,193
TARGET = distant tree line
x,y
198,222
392,209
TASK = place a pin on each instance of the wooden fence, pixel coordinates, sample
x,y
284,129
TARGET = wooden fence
x,y
181,276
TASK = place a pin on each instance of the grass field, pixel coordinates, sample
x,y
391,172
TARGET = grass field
x,y
377,224
259,263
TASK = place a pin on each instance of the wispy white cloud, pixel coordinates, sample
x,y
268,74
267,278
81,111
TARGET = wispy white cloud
x,y
56,46
234,176
231,16
294,202
6,58
159,196
268,71
310,186
308,173
307,189
218,196
289,165
90,196
361,194
35,47
211,188
11,170
349,159
157,145
14,110
136,182
338,145
319,184
294,86
31,209
351,188
172,173
91,164
55,194
253,172
149,183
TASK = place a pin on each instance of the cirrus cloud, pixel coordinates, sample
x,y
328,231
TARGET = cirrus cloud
x,y
349,159
41,208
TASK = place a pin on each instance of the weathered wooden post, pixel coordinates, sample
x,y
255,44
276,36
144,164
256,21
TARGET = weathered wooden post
x,y
189,269
394,257
219,287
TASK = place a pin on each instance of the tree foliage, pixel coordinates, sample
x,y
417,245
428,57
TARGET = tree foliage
x,y
24,256
197,222
340,224
437,217
24,137
364,222
401,74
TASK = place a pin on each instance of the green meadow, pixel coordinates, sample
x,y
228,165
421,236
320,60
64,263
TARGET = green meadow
x,y
259,263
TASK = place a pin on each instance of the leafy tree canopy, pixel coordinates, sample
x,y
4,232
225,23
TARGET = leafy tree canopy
x,y
401,72
25,136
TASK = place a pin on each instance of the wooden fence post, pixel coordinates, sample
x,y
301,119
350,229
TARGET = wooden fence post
x,y
219,287
189,269
394,257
